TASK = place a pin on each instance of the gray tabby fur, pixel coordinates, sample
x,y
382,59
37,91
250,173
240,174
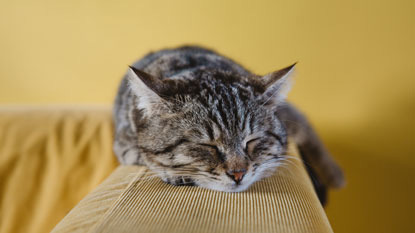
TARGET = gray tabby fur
x,y
195,117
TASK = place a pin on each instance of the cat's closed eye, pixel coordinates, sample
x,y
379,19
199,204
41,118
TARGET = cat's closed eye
x,y
254,146
250,146
213,148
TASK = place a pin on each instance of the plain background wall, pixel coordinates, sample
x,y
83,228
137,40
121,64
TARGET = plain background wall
x,y
355,79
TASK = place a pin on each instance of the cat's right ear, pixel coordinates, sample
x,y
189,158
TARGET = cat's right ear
x,y
146,87
277,84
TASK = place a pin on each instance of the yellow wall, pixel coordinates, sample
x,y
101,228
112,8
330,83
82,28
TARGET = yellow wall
x,y
355,80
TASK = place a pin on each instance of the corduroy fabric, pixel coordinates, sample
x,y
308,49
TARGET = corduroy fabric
x,y
284,202
95,205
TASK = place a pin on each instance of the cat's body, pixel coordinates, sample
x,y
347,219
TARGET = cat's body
x,y
196,117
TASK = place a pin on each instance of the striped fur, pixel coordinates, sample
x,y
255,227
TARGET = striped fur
x,y
192,115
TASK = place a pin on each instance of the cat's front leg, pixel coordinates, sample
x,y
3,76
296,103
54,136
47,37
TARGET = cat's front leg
x,y
179,181
125,147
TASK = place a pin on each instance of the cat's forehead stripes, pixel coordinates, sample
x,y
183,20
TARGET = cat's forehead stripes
x,y
201,97
227,104
230,118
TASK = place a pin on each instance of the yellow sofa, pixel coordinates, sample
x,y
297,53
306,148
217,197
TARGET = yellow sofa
x,y
50,158
355,82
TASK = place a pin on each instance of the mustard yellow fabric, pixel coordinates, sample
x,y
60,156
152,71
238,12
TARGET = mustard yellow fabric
x,y
50,158
133,200
355,77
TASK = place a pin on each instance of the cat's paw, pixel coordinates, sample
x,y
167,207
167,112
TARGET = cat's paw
x,y
180,181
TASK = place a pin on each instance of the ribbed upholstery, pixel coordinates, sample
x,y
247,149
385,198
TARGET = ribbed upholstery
x,y
94,206
132,200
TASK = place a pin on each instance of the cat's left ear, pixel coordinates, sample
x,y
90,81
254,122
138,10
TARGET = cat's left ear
x,y
277,84
146,87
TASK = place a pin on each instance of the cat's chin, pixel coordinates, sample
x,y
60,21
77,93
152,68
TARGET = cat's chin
x,y
185,181
230,188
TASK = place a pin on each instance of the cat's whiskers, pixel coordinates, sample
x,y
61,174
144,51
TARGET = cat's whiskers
x,y
267,168
283,168
180,172
288,159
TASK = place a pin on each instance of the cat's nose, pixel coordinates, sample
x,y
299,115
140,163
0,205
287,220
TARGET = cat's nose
x,y
236,175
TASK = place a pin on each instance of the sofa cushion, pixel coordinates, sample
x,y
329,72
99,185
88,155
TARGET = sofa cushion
x,y
50,158
133,200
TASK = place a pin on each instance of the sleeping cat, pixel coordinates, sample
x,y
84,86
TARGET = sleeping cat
x,y
195,117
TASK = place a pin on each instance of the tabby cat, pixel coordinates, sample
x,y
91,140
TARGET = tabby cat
x,y
195,117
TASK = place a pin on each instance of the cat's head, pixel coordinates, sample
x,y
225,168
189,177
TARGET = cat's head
x,y
210,128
